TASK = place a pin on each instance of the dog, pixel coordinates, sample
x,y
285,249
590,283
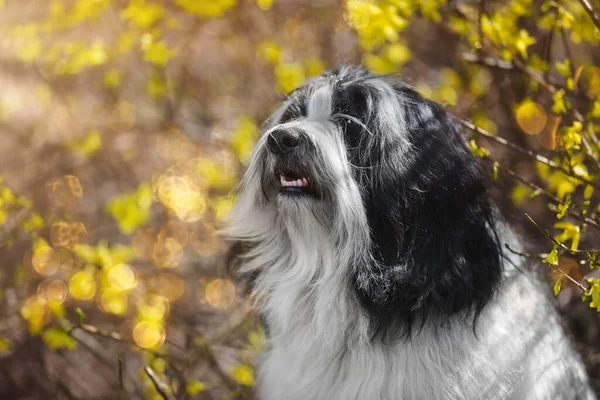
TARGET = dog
x,y
375,255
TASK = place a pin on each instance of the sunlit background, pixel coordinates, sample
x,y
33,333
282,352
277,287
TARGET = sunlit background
x,y
125,124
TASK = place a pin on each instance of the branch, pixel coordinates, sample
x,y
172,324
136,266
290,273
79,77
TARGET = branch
x,y
549,195
590,10
122,392
559,244
119,338
530,153
542,256
160,387
213,363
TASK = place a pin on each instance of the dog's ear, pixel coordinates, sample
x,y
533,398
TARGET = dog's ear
x,y
431,223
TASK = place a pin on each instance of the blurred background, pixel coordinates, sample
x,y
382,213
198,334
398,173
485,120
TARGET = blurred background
x,y
125,125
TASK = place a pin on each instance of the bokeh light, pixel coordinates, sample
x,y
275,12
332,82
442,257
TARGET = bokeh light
x,y
153,307
114,301
53,290
167,253
148,334
182,196
122,277
220,293
65,191
531,117
45,260
82,285
68,234
168,285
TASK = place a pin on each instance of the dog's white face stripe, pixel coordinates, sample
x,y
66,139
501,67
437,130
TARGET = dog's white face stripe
x,y
319,104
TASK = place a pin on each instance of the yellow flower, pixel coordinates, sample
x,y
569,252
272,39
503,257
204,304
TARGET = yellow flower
x,y
112,78
523,41
131,210
206,8
243,374
141,14
158,53
244,138
289,76
375,23
264,5
270,51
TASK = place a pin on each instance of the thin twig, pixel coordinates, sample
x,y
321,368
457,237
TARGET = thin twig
x,y
509,66
541,190
213,363
548,51
540,158
542,256
119,338
160,387
559,244
537,256
569,277
122,392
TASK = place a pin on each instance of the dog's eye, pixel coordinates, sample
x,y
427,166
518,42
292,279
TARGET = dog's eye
x,y
352,131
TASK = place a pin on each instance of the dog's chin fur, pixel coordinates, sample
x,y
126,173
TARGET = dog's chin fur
x,y
386,280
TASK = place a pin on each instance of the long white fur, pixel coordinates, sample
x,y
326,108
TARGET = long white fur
x,y
318,345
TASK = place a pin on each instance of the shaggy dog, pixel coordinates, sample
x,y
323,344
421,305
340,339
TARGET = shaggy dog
x,y
368,235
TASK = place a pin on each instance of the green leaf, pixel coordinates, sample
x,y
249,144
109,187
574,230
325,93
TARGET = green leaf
x,y
594,293
80,315
564,68
557,285
194,387
563,208
552,258
58,339
4,343
243,374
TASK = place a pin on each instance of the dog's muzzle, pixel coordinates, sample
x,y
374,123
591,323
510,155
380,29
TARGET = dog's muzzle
x,y
286,145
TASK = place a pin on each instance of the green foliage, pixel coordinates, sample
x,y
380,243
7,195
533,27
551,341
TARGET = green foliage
x,y
243,374
131,210
57,339
195,387
552,258
593,292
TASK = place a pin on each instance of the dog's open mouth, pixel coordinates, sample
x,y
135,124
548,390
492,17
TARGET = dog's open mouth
x,y
293,183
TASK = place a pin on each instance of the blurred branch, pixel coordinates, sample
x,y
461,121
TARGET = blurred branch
x,y
590,10
161,388
122,392
119,338
98,352
208,352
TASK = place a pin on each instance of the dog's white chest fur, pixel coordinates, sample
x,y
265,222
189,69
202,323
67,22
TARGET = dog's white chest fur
x,y
519,352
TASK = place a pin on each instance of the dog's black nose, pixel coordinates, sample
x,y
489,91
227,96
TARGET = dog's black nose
x,y
282,141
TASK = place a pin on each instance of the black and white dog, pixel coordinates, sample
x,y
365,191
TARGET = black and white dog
x,y
376,257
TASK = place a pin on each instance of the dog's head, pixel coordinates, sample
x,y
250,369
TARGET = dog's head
x,y
361,163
